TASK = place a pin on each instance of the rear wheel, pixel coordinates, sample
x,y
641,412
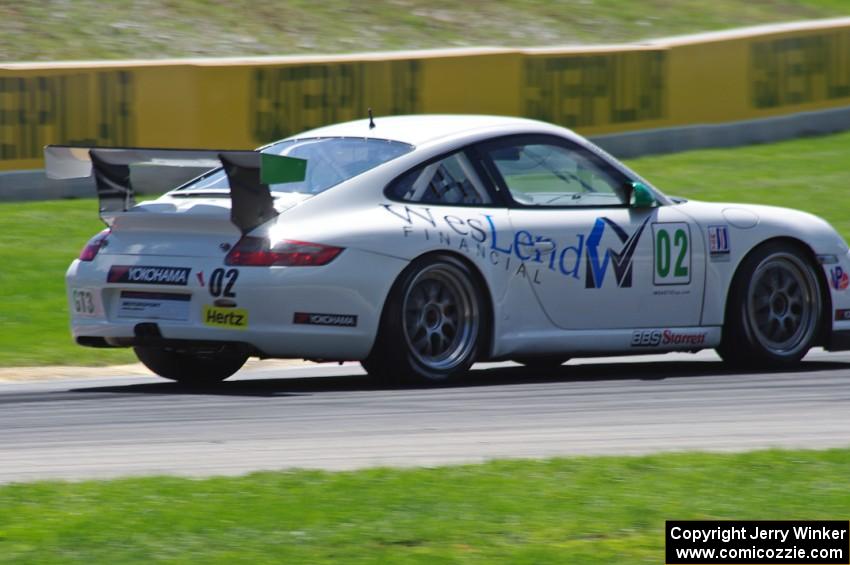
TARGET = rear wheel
x,y
431,328
774,311
192,366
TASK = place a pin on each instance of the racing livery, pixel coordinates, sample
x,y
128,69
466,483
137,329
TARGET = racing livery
x,y
419,245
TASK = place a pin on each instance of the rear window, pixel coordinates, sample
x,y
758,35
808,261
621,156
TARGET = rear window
x,y
452,180
330,161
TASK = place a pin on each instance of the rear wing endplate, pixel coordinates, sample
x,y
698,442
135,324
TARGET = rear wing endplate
x,y
249,174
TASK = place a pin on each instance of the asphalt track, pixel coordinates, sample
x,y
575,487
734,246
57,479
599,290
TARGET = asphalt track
x,y
332,417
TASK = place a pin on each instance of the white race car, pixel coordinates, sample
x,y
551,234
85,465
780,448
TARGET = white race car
x,y
419,245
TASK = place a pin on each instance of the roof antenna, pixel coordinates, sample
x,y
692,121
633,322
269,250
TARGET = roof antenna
x,y
371,120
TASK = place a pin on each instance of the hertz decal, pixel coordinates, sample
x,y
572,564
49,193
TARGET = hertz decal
x,y
229,318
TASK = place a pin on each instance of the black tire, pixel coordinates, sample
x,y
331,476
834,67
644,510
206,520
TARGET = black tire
x,y
432,326
542,363
774,309
192,367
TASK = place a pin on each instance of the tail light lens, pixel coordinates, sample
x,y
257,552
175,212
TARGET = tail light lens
x,y
89,252
258,252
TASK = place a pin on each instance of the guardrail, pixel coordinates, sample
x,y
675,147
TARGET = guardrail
x,y
635,97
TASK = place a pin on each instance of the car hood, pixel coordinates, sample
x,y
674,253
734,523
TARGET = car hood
x,y
764,222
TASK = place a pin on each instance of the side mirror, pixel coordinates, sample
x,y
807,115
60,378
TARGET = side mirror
x,y
641,196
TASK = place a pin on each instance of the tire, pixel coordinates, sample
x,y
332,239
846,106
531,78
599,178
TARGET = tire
x,y
774,309
432,326
192,367
542,363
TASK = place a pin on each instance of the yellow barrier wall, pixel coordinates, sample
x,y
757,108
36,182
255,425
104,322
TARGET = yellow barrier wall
x,y
709,78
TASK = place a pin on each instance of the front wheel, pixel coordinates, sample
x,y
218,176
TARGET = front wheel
x,y
431,328
775,306
192,367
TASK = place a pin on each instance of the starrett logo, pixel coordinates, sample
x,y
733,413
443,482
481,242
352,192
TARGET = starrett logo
x,y
139,274
657,338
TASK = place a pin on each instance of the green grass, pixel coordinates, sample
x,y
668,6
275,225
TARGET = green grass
x,y
810,174
584,510
41,238
92,29
39,241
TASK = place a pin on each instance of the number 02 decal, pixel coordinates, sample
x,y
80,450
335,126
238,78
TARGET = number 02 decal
x,y
672,253
221,283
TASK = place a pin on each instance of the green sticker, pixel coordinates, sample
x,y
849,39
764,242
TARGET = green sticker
x,y
276,169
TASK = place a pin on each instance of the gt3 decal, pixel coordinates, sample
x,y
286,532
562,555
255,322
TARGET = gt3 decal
x,y
86,302
140,274
314,319
230,318
838,278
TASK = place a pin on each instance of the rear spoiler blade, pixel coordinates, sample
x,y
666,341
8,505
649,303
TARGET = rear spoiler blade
x,y
249,174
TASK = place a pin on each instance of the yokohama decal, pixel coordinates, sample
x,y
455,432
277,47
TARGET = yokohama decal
x,y
312,319
842,315
139,274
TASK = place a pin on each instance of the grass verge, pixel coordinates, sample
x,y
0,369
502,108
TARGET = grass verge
x,y
584,510
808,174
39,241
122,29
41,238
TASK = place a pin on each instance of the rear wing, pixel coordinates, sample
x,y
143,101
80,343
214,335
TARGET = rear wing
x,y
249,174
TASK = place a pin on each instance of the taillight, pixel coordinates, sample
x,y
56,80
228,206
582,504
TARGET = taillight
x,y
258,252
89,252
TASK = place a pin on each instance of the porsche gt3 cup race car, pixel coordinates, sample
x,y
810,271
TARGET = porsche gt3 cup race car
x,y
419,245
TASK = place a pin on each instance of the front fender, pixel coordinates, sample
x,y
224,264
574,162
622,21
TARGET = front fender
x,y
749,226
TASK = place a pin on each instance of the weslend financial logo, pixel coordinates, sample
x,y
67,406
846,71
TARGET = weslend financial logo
x,y
480,237
622,261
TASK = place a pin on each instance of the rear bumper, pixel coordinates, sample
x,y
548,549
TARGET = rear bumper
x,y
354,285
283,342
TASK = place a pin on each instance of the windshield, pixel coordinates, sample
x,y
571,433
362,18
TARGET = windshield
x,y
330,161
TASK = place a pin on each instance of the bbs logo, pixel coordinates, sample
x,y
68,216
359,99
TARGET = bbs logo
x,y
646,338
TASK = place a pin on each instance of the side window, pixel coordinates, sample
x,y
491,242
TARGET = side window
x,y
451,180
543,174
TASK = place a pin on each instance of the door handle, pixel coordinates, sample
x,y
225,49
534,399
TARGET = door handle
x,y
545,246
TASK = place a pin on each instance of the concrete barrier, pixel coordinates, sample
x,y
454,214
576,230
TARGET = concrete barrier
x,y
707,90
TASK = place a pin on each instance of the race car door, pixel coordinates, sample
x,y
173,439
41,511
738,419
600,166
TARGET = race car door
x,y
595,259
